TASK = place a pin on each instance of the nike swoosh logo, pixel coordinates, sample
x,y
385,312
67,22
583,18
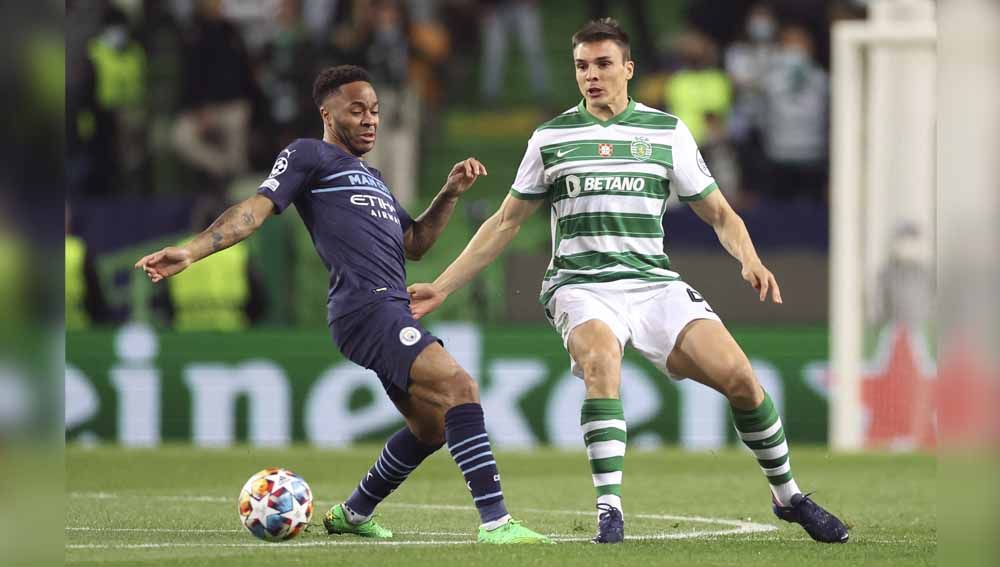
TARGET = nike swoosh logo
x,y
561,153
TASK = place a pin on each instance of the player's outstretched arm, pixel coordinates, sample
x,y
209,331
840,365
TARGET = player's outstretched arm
x,y
732,232
235,224
489,241
426,228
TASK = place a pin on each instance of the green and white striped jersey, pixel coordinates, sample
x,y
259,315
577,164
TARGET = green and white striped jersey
x,y
608,182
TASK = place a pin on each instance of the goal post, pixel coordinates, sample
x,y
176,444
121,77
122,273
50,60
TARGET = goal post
x,y
882,179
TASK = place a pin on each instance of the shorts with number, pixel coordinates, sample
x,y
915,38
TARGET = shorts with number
x,y
383,337
649,316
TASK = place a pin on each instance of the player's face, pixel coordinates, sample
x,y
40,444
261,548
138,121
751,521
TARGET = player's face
x,y
602,72
351,113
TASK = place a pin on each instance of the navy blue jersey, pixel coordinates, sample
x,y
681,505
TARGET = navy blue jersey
x,y
355,222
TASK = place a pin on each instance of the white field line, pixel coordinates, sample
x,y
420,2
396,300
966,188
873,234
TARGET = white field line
x,y
734,527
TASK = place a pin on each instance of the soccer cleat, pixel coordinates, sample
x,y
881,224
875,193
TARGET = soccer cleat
x,y
821,525
610,525
511,532
336,522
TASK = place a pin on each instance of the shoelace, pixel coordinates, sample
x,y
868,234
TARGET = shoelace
x,y
606,511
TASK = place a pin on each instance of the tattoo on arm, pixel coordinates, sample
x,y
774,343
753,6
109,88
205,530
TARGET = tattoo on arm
x,y
232,226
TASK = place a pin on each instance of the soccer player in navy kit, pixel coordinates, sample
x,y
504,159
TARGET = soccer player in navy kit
x,y
362,234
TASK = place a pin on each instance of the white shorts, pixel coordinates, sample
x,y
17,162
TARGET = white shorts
x,y
649,316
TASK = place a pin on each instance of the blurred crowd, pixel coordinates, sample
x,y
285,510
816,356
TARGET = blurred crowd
x,y
179,97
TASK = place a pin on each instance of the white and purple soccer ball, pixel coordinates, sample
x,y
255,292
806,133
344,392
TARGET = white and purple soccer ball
x,y
275,504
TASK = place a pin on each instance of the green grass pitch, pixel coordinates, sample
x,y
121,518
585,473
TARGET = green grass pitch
x,y
177,506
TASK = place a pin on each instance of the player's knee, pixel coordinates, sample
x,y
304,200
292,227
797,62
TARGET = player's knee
x,y
460,388
742,389
429,433
599,364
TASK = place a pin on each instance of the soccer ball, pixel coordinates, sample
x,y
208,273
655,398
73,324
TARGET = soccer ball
x,y
275,504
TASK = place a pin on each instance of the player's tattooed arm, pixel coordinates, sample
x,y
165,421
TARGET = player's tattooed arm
x,y
234,225
426,228
734,237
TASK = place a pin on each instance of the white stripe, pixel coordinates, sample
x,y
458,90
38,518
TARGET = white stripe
x,y
477,467
365,490
761,435
778,471
605,449
474,457
473,448
398,461
487,496
348,188
605,479
599,165
608,204
349,172
651,246
464,441
773,452
603,424
395,479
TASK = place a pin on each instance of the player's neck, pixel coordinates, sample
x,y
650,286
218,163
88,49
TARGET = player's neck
x,y
609,110
331,138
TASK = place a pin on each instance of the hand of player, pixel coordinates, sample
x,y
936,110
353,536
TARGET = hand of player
x,y
165,263
424,298
762,280
463,175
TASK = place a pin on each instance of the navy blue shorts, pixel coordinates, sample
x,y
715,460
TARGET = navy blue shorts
x,y
383,337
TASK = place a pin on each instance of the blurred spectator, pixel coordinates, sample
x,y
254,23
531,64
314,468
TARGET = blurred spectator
x,y
699,93
699,89
796,94
747,62
223,293
643,48
500,19
212,130
288,68
161,37
105,96
378,34
85,303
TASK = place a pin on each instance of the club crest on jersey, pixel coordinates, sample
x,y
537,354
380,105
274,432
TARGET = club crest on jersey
x,y
605,150
409,336
641,149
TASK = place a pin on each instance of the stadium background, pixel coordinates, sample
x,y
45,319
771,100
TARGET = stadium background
x,y
147,164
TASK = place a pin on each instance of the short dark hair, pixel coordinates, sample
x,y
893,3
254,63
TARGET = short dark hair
x,y
331,78
600,30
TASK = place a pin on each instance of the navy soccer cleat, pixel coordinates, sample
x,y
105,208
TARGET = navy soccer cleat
x,y
821,525
610,525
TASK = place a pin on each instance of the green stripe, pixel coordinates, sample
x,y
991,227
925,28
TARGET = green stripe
x,y
606,434
769,443
580,150
757,419
621,116
654,120
527,196
610,224
704,193
608,489
610,464
570,120
773,463
780,479
600,260
599,409
575,279
596,184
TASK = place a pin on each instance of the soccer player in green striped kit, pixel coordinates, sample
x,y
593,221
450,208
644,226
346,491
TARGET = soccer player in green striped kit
x,y
607,166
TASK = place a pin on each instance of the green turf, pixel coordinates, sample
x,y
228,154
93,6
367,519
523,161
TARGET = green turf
x,y
129,507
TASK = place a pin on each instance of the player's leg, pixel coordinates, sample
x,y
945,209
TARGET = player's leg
x,y
445,393
590,320
402,454
597,352
705,352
